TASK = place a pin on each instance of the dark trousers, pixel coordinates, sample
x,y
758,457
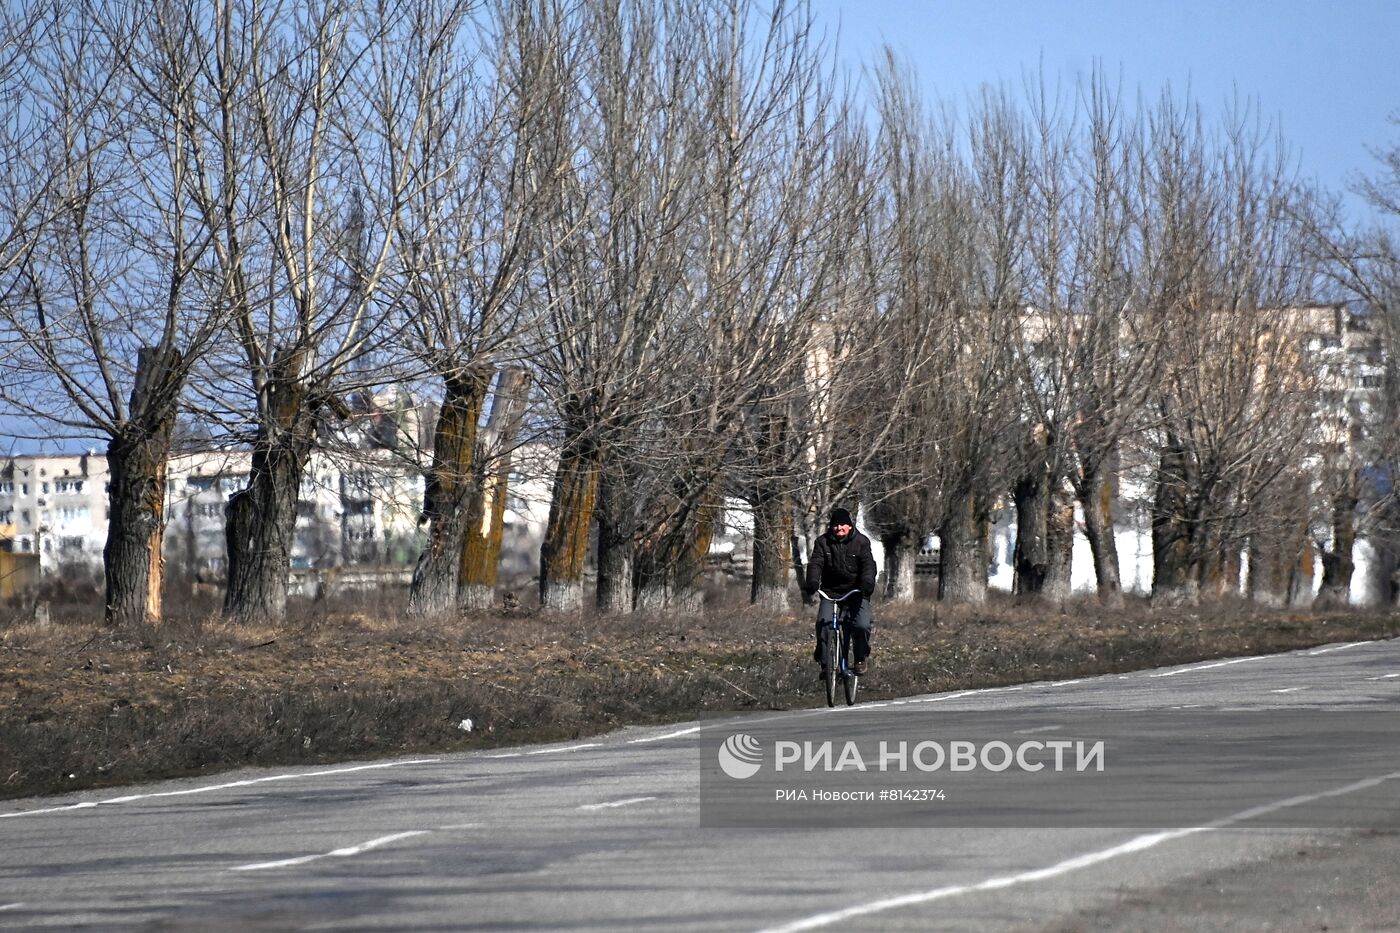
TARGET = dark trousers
x,y
861,628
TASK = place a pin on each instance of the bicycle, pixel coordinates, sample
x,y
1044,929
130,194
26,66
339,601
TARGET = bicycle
x,y
836,644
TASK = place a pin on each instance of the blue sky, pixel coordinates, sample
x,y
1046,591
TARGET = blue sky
x,y
1326,73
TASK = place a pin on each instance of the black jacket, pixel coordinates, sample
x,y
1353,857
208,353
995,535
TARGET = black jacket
x,y
840,566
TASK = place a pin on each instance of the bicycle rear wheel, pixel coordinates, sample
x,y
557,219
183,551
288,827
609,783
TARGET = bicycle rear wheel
x,y
850,679
832,658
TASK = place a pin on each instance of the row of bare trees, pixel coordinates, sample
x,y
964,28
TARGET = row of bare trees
x,y
674,241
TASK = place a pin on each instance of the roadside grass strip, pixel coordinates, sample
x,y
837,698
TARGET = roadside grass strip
x,y
1088,859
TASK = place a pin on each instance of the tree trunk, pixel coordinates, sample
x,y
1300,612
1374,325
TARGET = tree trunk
x,y
772,549
450,482
616,546
1269,569
799,568
1173,581
1337,564
1096,500
137,459
670,568
901,547
962,577
565,544
261,524
1031,557
695,555
486,515
1300,578
1059,548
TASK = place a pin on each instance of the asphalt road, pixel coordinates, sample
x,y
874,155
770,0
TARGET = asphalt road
x,y
606,834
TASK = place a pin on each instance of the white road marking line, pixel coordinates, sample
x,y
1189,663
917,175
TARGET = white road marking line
x,y
507,755
1350,644
670,735
1137,844
615,803
15,906
334,853
947,696
1288,690
1061,683
567,748
1206,667
1383,677
459,826
1040,729
88,805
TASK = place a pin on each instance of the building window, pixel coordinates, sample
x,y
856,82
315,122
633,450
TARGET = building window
x,y
71,543
24,545
24,517
7,516
1372,382
7,489
44,488
68,486
24,489
71,513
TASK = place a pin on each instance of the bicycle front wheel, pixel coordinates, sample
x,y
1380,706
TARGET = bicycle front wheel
x,y
849,680
831,650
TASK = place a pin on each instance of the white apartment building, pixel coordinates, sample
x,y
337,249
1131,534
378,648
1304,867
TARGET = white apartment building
x,y
355,508
55,506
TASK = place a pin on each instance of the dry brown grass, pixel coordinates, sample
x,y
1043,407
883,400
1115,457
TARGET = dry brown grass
x,y
86,706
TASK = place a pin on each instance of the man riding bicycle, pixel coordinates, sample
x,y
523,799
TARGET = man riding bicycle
x,y
841,561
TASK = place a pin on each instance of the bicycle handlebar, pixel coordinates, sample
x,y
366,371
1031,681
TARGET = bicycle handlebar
x,y
837,599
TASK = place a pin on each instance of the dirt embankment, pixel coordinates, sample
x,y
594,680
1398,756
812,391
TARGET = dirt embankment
x,y
82,706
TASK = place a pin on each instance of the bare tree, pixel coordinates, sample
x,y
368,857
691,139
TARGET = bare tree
x,y
303,185
112,306
486,511
616,244
1236,400
975,382
783,188
1357,481
491,145
918,293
